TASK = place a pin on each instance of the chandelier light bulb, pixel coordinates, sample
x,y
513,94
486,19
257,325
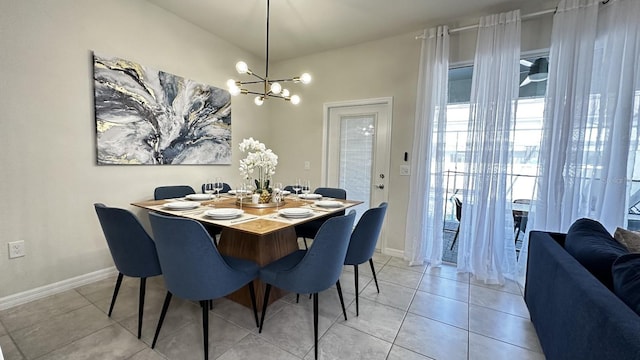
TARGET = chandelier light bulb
x,y
231,84
242,67
258,100
285,92
234,91
305,78
276,88
295,99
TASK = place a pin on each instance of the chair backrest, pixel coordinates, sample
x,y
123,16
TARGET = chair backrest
x,y
321,266
173,191
335,193
191,264
132,249
225,188
365,235
519,213
289,188
458,204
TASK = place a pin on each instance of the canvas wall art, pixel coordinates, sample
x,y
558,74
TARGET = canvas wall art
x,y
150,117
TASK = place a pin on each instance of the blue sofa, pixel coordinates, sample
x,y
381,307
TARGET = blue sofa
x,y
574,314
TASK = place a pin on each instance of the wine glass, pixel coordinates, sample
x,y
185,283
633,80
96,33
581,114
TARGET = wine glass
x,y
306,187
209,188
277,193
297,186
217,186
241,190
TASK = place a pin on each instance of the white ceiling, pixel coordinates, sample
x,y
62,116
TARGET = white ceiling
x,y
302,27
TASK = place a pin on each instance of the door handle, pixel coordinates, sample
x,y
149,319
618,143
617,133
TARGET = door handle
x,y
380,186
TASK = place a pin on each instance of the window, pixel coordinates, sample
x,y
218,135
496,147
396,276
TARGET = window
x,y
526,135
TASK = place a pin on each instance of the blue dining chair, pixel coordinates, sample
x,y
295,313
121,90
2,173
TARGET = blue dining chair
x,y
225,188
309,229
194,269
172,191
314,270
363,243
132,249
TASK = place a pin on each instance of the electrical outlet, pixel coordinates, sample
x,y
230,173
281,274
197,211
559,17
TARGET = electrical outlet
x,y
307,165
16,249
405,170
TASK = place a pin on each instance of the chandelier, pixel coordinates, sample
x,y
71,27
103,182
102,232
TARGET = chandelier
x,y
265,87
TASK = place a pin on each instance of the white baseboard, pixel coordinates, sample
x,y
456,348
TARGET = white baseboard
x,y
55,288
393,252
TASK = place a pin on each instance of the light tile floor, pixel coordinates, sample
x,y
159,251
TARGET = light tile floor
x,y
420,313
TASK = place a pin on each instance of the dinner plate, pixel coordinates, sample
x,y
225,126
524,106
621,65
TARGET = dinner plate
x,y
223,213
295,212
181,205
286,192
233,192
310,196
328,203
199,196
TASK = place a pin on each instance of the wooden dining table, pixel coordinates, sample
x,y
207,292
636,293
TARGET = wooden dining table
x,y
260,234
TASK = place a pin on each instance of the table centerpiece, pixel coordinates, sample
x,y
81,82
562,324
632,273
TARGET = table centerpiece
x,y
259,165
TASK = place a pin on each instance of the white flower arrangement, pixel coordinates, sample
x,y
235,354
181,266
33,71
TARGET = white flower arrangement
x,y
259,164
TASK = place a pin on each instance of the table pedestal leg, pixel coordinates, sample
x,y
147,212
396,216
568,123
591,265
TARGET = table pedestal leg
x,y
262,249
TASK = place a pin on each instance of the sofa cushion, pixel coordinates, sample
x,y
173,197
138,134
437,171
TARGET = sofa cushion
x,y
626,280
592,245
630,239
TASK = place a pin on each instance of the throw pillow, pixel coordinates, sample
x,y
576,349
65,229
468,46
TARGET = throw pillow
x,y
626,280
628,238
592,245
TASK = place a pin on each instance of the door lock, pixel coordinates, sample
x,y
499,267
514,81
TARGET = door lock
x,y
380,186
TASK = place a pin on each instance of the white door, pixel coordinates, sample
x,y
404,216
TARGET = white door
x,y
356,148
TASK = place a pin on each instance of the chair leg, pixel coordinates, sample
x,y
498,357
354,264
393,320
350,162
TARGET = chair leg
x,y
205,327
264,306
355,277
165,306
455,238
344,311
373,270
306,247
143,286
315,325
297,298
115,292
252,294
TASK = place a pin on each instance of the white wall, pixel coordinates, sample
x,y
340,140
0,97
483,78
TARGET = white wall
x,y
49,177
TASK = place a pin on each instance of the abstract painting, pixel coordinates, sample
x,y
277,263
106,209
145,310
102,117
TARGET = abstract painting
x,y
150,117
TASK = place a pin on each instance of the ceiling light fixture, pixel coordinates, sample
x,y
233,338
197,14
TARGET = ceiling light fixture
x,y
538,70
270,87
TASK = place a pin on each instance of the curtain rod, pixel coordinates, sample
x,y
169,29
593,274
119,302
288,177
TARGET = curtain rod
x,y
523,17
475,26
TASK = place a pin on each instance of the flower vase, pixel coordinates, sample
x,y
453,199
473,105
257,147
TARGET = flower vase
x,y
265,197
262,188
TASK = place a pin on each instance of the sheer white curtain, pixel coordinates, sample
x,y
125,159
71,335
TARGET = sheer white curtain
x,y
590,129
423,240
591,120
486,242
